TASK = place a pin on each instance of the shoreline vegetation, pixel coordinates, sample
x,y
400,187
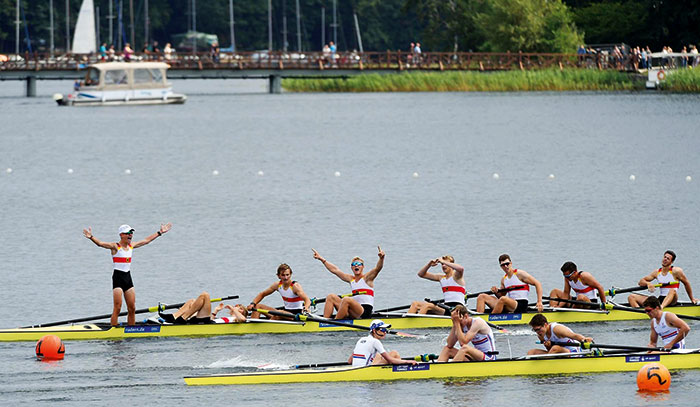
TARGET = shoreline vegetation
x,y
686,80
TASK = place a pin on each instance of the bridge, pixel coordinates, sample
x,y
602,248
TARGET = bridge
x,y
275,66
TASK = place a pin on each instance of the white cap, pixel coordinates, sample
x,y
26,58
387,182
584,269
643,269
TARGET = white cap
x,y
125,229
378,323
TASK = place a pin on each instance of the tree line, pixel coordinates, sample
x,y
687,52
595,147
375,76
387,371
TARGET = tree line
x,y
440,25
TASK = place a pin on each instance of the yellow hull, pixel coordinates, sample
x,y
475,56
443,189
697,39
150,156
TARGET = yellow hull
x,y
105,332
510,367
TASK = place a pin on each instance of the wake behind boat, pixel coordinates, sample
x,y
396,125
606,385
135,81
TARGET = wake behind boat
x,y
399,321
524,366
123,83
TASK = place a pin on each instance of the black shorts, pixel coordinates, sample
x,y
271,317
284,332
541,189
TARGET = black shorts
x,y
663,297
367,311
196,320
522,306
294,311
453,304
122,279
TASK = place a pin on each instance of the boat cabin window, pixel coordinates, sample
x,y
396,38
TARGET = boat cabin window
x,y
157,75
116,77
142,76
92,78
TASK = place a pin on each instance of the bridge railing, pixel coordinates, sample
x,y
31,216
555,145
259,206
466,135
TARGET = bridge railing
x,y
277,60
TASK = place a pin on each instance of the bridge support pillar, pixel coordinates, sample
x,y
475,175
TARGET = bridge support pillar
x,y
31,86
275,84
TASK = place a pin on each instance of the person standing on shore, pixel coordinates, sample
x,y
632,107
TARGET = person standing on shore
x,y
122,285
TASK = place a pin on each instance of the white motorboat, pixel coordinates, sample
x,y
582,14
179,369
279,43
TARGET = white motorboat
x,y
122,83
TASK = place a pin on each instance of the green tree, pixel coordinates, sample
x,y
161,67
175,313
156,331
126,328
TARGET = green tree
x,y
527,25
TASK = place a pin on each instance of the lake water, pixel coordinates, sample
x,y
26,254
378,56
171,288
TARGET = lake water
x,y
341,173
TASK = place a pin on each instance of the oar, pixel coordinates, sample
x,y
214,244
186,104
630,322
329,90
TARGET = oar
x,y
304,318
138,311
614,291
427,357
315,300
590,345
500,329
609,307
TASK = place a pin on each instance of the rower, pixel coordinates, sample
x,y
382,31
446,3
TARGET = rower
x,y
586,287
361,304
668,273
516,283
666,325
554,332
465,330
370,351
198,311
452,283
122,285
295,299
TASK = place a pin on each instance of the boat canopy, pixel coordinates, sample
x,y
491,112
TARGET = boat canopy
x,y
126,75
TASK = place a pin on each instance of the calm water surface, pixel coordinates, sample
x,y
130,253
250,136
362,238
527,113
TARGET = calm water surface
x,y
233,229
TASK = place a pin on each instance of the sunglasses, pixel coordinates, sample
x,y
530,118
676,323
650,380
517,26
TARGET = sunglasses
x,y
356,264
384,330
537,329
568,275
506,264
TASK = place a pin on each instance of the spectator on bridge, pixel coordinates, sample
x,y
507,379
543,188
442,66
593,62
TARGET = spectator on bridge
x,y
581,52
326,51
110,53
417,54
146,51
127,52
103,52
155,49
167,51
695,58
409,58
214,52
334,50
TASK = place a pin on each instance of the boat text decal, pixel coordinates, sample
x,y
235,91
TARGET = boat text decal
x,y
410,368
642,358
141,329
506,317
327,325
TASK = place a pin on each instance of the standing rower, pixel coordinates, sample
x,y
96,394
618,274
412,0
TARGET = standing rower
x,y
122,285
361,304
586,287
452,283
516,283
553,332
295,299
668,273
666,325
466,329
370,351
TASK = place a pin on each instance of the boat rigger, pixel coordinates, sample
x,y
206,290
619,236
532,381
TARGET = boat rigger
x,y
103,331
525,366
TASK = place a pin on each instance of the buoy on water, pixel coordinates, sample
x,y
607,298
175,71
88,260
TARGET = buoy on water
x,y
50,347
653,377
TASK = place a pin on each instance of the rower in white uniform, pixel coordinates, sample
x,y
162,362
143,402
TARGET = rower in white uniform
x,y
667,273
361,304
516,284
295,299
586,287
451,281
551,333
370,351
666,325
465,330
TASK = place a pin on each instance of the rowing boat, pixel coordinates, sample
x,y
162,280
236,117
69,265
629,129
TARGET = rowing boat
x,y
103,331
683,359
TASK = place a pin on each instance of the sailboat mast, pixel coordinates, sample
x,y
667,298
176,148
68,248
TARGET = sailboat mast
x,y
51,46
298,27
67,27
233,34
357,30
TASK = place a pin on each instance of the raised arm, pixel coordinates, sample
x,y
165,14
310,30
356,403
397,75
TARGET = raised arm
x,y
423,272
369,278
163,229
459,270
262,294
105,245
332,268
589,280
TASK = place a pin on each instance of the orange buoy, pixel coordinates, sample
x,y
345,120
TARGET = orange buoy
x,y
653,377
50,347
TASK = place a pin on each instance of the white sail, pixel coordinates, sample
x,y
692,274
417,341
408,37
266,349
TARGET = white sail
x,y
84,39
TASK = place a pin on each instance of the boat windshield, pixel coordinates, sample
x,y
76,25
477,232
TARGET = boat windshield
x,y
142,76
92,78
116,77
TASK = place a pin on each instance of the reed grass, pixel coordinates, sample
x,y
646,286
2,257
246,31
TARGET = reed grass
x,y
683,80
470,81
